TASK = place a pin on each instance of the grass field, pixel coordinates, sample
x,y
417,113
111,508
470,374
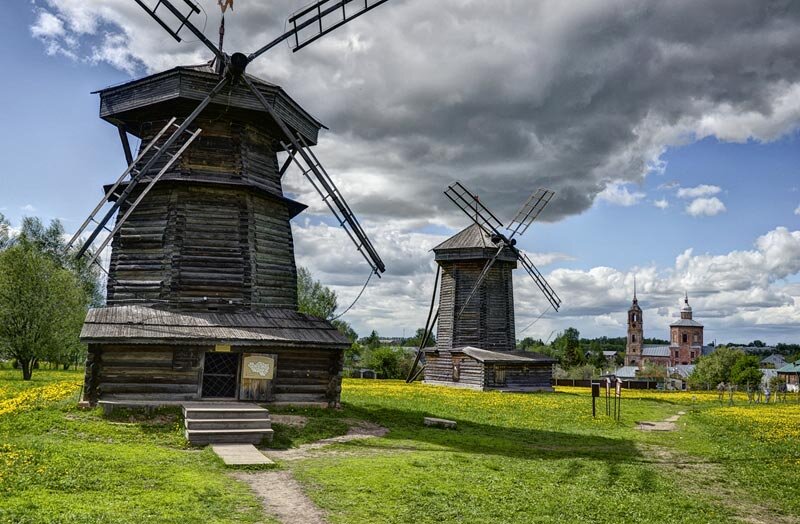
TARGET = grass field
x,y
513,459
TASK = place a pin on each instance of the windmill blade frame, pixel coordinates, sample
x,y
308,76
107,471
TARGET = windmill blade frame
x,y
185,22
540,281
314,14
315,167
470,204
529,211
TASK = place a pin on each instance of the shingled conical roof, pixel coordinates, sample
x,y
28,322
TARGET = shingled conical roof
x,y
470,243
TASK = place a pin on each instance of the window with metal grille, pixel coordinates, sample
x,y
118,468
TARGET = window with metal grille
x,y
219,375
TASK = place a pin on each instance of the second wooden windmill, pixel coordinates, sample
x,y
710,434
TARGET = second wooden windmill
x,y
475,342
202,283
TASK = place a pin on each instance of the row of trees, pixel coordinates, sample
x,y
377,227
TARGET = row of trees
x,y
729,366
44,295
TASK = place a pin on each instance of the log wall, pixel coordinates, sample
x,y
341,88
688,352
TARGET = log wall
x,y
488,320
519,376
160,372
439,370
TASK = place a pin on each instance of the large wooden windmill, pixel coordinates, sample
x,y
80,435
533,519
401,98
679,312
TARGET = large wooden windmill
x,y
475,342
202,283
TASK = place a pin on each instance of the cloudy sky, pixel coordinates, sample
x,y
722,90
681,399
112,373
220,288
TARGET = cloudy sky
x,y
669,131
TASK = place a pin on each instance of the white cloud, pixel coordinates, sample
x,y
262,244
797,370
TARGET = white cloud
x,y
618,194
698,191
705,207
797,210
28,208
47,25
732,293
661,204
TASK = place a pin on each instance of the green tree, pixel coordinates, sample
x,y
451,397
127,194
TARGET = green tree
x,y
352,355
50,241
416,340
745,371
653,371
389,362
5,232
568,346
714,368
42,307
372,341
313,298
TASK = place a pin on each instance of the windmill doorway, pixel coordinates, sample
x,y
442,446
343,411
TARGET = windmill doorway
x,y
220,375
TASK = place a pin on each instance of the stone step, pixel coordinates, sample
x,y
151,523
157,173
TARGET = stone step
x,y
228,423
227,436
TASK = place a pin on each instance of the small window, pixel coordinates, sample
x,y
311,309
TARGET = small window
x,y
633,338
685,338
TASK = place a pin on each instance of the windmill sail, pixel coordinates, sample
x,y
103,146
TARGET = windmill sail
x,y
537,277
330,194
529,211
471,205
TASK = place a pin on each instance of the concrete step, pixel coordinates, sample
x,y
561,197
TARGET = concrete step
x,y
228,423
227,436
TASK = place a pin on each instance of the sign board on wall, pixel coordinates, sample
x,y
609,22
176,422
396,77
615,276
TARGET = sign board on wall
x,y
222,348
258,367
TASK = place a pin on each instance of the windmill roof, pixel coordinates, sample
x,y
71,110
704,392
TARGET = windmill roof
x,y
183,87
518,357
266,327
471,242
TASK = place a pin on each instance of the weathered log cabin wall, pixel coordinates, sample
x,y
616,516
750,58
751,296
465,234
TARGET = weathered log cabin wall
x,y
215,226
523,377
453,369
488,320
162,372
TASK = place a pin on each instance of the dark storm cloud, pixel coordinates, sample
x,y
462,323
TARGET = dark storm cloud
x,y
508,96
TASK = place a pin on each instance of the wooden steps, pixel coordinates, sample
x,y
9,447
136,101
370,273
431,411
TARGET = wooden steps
x,y
213,423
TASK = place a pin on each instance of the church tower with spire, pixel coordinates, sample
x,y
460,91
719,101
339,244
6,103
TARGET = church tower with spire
x,y
633,348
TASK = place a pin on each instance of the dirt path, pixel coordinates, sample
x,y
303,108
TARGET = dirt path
x,y
280,494
667,424
359,430
283,497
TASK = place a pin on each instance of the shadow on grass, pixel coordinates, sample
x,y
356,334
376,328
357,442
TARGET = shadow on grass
x,y
408,433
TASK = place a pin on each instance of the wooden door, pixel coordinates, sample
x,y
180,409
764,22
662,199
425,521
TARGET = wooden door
x,y
258,376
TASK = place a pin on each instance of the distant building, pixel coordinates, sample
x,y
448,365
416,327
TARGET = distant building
x,y
686,340
774,361
791,374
